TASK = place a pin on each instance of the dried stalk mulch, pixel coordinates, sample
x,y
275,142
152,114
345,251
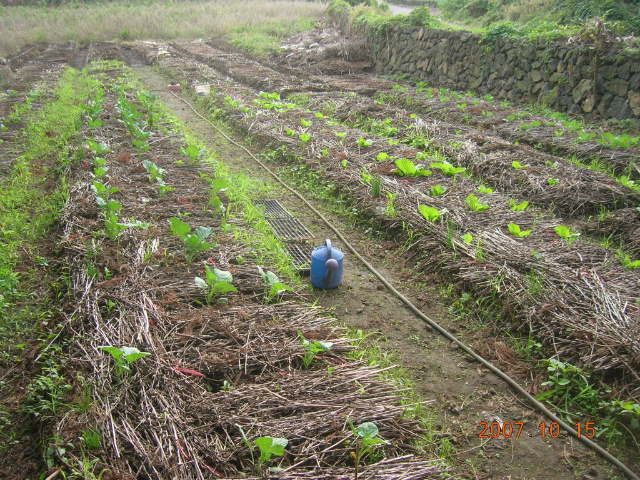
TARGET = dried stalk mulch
x,y
577,296
214,371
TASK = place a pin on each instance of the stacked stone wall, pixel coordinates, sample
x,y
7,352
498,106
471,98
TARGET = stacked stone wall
x,y
564,77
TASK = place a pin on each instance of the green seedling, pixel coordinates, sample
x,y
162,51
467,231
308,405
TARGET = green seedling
x,y
100,172
273,286
515,230
124,357
407,168
483,189
573,125
552,181
193,153
475,204
98,148
163,188
305,123
566,233
364,143
305,137
312,349
518,207
437,190
101,189
382,156
448,169
559,133
610,140
341,135
391,207
467,237
626,261
153,170
517,165
290,132
366,440
585,136
270,446
194,242
430,213
216,283
113,226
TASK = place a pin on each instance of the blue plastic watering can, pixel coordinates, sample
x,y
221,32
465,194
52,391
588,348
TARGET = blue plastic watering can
x,y
327,264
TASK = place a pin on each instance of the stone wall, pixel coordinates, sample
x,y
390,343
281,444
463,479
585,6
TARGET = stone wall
x,y
561,76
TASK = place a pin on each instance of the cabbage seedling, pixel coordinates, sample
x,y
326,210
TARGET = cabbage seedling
x,y
124,357
153,170
305,137
430,213
448,169
312,349
566,233
517,165
407,168
467,237
483,189
475,204
518,207
382,156
273,286
366,439
193,242
364,143
305,123
552,181
438,190
216,282
270,446
515,230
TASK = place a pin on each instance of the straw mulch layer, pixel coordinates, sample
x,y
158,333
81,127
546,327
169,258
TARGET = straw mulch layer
x,y
575,295
214,371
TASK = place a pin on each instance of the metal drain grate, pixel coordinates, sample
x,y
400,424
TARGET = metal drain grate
x,y
273,209
300,256
290,229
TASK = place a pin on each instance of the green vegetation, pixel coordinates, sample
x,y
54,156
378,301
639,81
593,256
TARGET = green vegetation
x,y
255,24
124,357
549,19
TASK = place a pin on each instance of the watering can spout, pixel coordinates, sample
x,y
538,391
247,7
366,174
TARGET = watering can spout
x,y
326,266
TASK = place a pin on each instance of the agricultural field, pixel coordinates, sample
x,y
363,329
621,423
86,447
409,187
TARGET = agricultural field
x,y
160,331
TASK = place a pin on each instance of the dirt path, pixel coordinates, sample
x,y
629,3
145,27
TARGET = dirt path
x,y
466,394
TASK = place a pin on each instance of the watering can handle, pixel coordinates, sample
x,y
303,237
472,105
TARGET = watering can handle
x,y
327,243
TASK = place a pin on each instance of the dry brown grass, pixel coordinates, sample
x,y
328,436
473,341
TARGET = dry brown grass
x,y
158,20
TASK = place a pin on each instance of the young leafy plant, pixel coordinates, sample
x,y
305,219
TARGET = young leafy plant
x,y
113,225
517,165
430,213
566,233
515,230
153,170
475,204
518,207
627,262
270,446
216,283
407,168
273,286
193,152
312,349
448,169
438,190
194,242
483,189
124,357
364,143
366,440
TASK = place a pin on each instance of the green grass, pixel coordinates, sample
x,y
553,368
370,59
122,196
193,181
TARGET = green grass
x,y
165,19
265,39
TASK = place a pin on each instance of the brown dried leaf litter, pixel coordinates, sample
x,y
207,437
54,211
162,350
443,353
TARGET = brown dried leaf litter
x,y
587,308
212,369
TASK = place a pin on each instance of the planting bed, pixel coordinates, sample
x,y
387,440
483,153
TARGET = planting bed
x,y
218,371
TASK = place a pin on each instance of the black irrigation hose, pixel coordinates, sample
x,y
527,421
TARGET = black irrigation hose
x,y
535,403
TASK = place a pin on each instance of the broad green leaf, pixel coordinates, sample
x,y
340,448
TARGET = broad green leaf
x,y
277,288
112,205
135,356
467,237
406,167
430,213
271,446
116,352
179,227
223,287
200,282
219,184
203,232
563,231
368,430
223,275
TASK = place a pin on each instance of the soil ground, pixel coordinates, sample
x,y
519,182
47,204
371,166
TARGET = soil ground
x,y
464,393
